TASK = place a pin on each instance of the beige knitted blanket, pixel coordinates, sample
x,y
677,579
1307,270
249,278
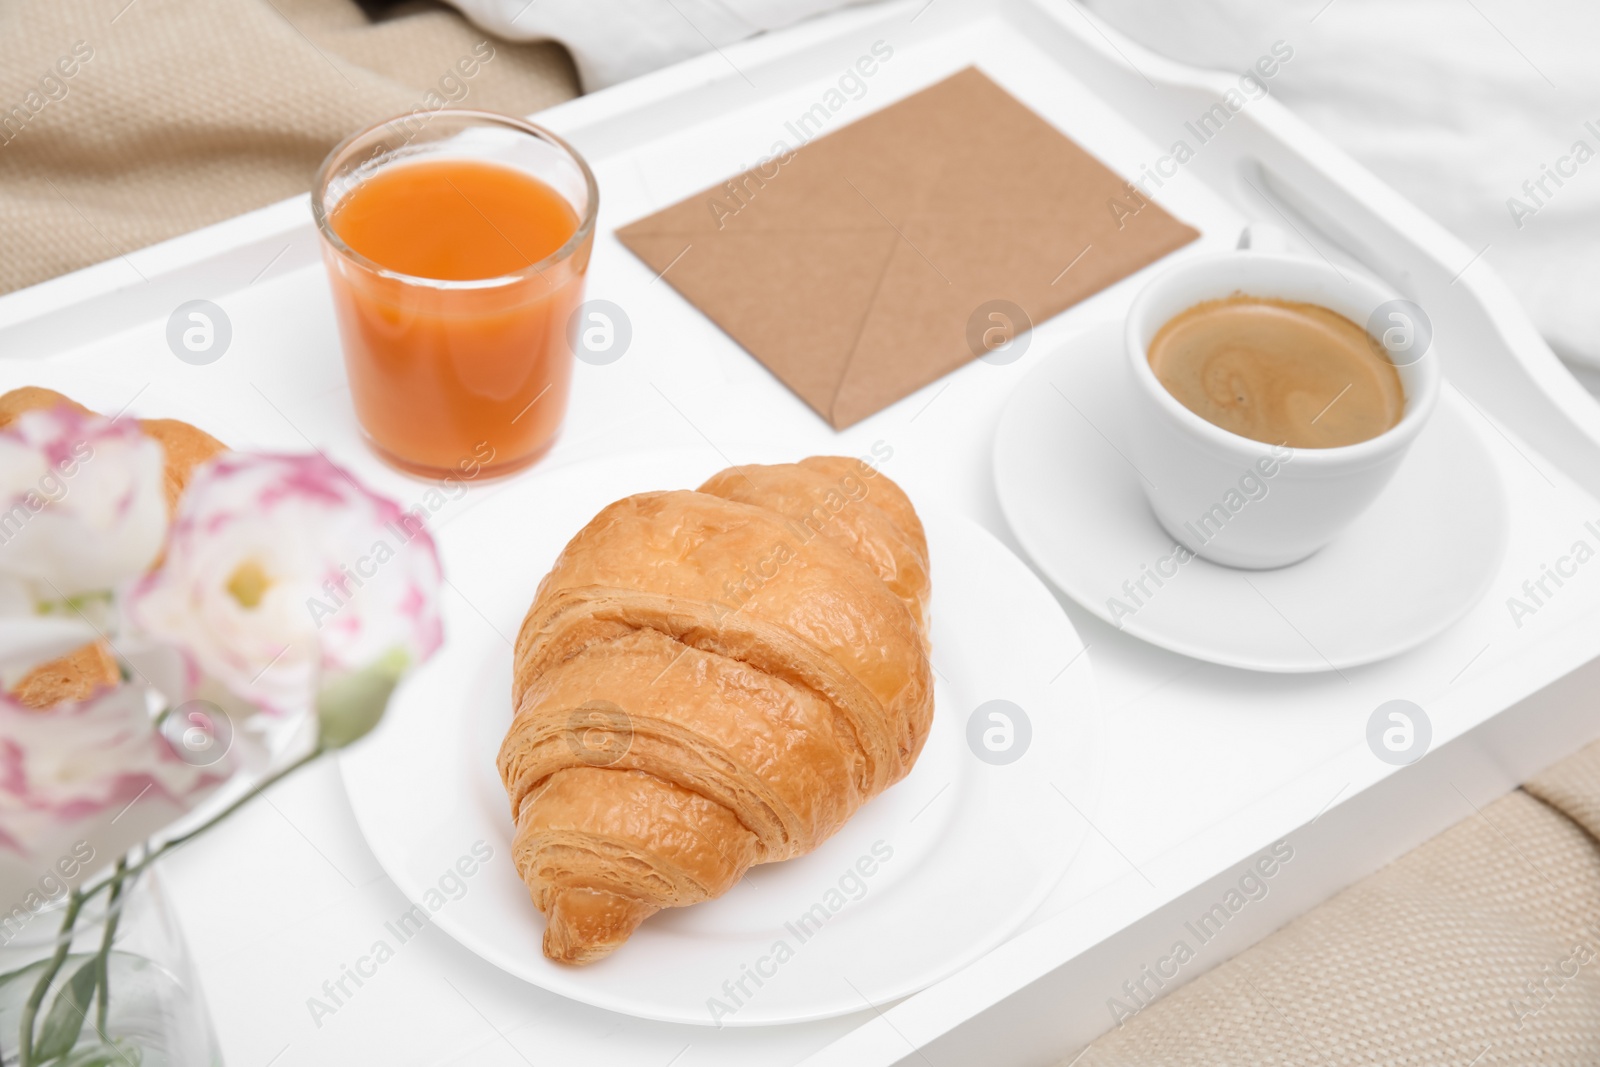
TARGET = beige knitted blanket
x,y
124,122
1480,948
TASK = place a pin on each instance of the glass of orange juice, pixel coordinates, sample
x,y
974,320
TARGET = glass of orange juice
x,y
456,244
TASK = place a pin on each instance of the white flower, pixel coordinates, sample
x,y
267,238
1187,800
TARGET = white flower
x,y
78,763
28,638
282,574
81,503
82,510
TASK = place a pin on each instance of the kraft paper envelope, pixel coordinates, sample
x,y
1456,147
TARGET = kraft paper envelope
x,y
863,265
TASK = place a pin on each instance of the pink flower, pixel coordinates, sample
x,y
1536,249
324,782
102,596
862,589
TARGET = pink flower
x,y
81,503
81,511
79,765
283,574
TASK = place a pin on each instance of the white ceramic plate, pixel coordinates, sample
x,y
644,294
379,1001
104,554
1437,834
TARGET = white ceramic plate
x,y
960,853
1405,570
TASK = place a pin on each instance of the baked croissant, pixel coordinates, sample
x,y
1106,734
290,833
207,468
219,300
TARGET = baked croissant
x,y
709,680
78,674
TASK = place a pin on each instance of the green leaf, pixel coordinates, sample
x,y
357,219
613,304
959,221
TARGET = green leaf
x,y
19,972
350,706
65,1021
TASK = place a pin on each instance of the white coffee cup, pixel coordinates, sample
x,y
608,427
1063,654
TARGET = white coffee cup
x,y
1244,503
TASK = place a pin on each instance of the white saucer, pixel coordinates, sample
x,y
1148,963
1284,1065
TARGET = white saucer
x,y
958,855
1410,566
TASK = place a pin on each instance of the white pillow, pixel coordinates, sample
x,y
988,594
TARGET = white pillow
x,y
613,40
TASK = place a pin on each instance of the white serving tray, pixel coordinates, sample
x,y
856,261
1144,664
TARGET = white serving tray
x,y
1207,766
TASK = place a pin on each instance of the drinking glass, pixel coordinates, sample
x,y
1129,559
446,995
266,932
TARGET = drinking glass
x,y
453,378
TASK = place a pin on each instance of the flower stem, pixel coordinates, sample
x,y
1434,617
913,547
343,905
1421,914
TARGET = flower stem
x,y
102,965
115,881
30,1010
169,845
270,780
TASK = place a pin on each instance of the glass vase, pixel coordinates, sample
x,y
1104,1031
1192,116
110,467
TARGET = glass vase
x,y
122,990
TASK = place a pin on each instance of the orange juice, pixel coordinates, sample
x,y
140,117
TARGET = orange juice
x,y
453,312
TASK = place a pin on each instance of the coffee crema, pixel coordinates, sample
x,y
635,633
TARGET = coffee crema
x,y
1279,371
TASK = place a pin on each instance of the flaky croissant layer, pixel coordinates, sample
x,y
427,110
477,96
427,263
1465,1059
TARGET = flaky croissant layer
x,y
709,680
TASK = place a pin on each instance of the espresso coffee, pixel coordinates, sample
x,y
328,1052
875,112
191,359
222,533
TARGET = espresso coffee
x,y
1278,371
